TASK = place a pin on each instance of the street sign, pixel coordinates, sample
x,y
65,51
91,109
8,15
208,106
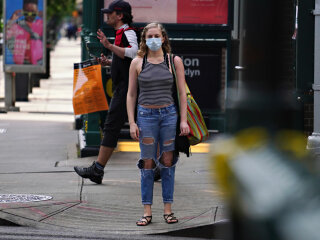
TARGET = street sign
x,y
203,75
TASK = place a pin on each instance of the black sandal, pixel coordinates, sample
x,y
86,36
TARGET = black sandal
x,y
143,221
169,218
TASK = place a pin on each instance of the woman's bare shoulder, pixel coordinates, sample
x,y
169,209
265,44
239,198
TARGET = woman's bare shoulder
x,y
137,64
177,59
137,60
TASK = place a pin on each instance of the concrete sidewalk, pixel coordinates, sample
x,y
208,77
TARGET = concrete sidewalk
x,y
38,147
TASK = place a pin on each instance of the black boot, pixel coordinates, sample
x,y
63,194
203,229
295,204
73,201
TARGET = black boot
x,y
92,172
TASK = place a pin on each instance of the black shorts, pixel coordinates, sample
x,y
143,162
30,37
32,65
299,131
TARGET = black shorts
x,y
117,115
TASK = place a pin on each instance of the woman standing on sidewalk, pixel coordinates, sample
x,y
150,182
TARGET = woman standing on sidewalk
x,y
156,115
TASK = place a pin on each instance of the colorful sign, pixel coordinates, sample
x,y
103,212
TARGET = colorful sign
x,y
202,11
24,39
179,11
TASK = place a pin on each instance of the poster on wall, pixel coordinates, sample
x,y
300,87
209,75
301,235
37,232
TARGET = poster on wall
x,y
179,11
24,36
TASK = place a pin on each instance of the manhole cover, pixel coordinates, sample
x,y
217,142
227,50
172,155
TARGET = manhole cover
x,y
12,198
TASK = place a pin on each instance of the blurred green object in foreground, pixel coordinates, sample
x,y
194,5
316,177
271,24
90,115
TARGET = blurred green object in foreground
x,y
271,184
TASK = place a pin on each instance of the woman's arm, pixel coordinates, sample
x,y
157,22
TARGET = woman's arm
x,y
184,128
132,97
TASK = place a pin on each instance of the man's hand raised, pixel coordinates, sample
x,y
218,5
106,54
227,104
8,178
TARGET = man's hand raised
x,y
103,39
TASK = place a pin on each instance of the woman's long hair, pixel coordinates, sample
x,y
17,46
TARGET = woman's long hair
x,y
143,49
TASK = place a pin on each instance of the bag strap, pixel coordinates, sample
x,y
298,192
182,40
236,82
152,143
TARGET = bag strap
x,y
166,59
174,73
144,60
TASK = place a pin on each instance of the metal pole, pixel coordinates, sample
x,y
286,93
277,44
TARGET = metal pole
x,y
258,101
10,92
314,139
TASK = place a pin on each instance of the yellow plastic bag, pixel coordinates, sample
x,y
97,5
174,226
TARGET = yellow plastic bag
x,y
88,92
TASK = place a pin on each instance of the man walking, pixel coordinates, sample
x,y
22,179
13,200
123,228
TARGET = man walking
x,y
123,50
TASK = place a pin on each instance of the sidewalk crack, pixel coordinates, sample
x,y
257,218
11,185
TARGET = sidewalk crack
x,y
59,211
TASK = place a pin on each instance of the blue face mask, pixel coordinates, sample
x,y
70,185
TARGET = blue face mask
x,y
154,44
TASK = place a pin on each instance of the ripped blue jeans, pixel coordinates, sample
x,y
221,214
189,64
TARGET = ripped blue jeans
x,y
159,127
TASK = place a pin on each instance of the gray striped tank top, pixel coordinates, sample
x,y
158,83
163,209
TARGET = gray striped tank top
x,y
155,84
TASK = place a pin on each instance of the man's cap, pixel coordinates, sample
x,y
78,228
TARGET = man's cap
x,y
118,5
30,1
